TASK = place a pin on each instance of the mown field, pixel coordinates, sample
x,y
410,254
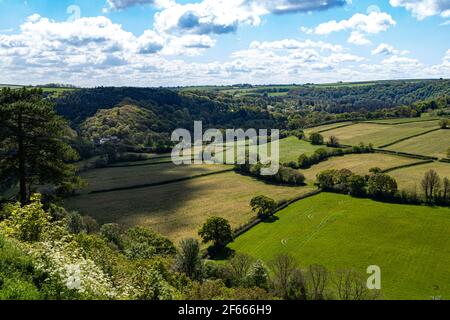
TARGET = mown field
x,y
129,176
433,144
409,243
177,210
358,163
379,134
409,178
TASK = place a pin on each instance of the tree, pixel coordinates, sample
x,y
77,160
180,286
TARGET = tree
x,y
356,185
283,267
446,189
333,141
325,179
188,260
240,266
263,206
218,231
317,279
430,184
316,138
32,148
111,233
444,123
259,275
381,185
74,223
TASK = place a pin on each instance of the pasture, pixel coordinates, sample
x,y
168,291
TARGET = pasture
x,y
409,243
409,178
434,144
129,176
177,210
358,163
379,134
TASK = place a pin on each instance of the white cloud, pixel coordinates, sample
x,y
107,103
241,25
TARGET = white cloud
x,y
371,23
224,16
422,9
358,38
95,51
384,49
124,4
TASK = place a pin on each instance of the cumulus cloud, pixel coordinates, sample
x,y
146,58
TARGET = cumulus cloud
x,y
387,49
124,4
373,22
224,16
359,24
358,38
422,9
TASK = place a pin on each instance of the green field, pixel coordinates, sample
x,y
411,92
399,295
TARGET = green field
x,y
379,134
359,163
410,244
409,178
290,149
177,210
433,144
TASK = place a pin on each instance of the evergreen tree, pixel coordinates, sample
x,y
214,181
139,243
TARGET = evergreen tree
x,y
33,151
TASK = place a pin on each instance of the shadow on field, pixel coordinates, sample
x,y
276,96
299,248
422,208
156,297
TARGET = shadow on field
x,y
167,207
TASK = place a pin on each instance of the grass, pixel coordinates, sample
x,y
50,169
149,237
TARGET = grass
x,y
123,177
379,134
409,243
409,178
290,149
326,127
358,163
433,144
177,210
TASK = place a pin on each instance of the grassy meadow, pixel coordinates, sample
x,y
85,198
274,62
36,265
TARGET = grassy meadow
x,y
379,134
433,144
409,243
129,176
358,163
177,210
409,178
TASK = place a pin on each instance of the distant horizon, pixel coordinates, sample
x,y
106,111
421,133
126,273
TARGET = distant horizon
x,y
71,86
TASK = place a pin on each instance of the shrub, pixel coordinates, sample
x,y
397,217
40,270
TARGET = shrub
x,y
316,138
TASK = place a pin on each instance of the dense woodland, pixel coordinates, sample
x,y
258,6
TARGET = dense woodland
x,y
145,117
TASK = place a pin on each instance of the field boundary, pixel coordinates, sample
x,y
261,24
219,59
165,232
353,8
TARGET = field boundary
x,y
410,137
338,127
161,183
398,123
255,221
407,166
406,155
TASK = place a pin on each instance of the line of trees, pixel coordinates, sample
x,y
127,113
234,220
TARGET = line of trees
x,y
322,154
285,175
381,186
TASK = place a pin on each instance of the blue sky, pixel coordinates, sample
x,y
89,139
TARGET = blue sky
x,y
183,42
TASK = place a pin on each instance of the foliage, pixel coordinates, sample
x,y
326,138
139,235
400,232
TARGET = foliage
x,y
33,149
188,260
218,231
25,223
143,243
316,138
263,206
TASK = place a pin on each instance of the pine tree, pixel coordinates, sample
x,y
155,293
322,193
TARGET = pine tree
x,y
32,146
